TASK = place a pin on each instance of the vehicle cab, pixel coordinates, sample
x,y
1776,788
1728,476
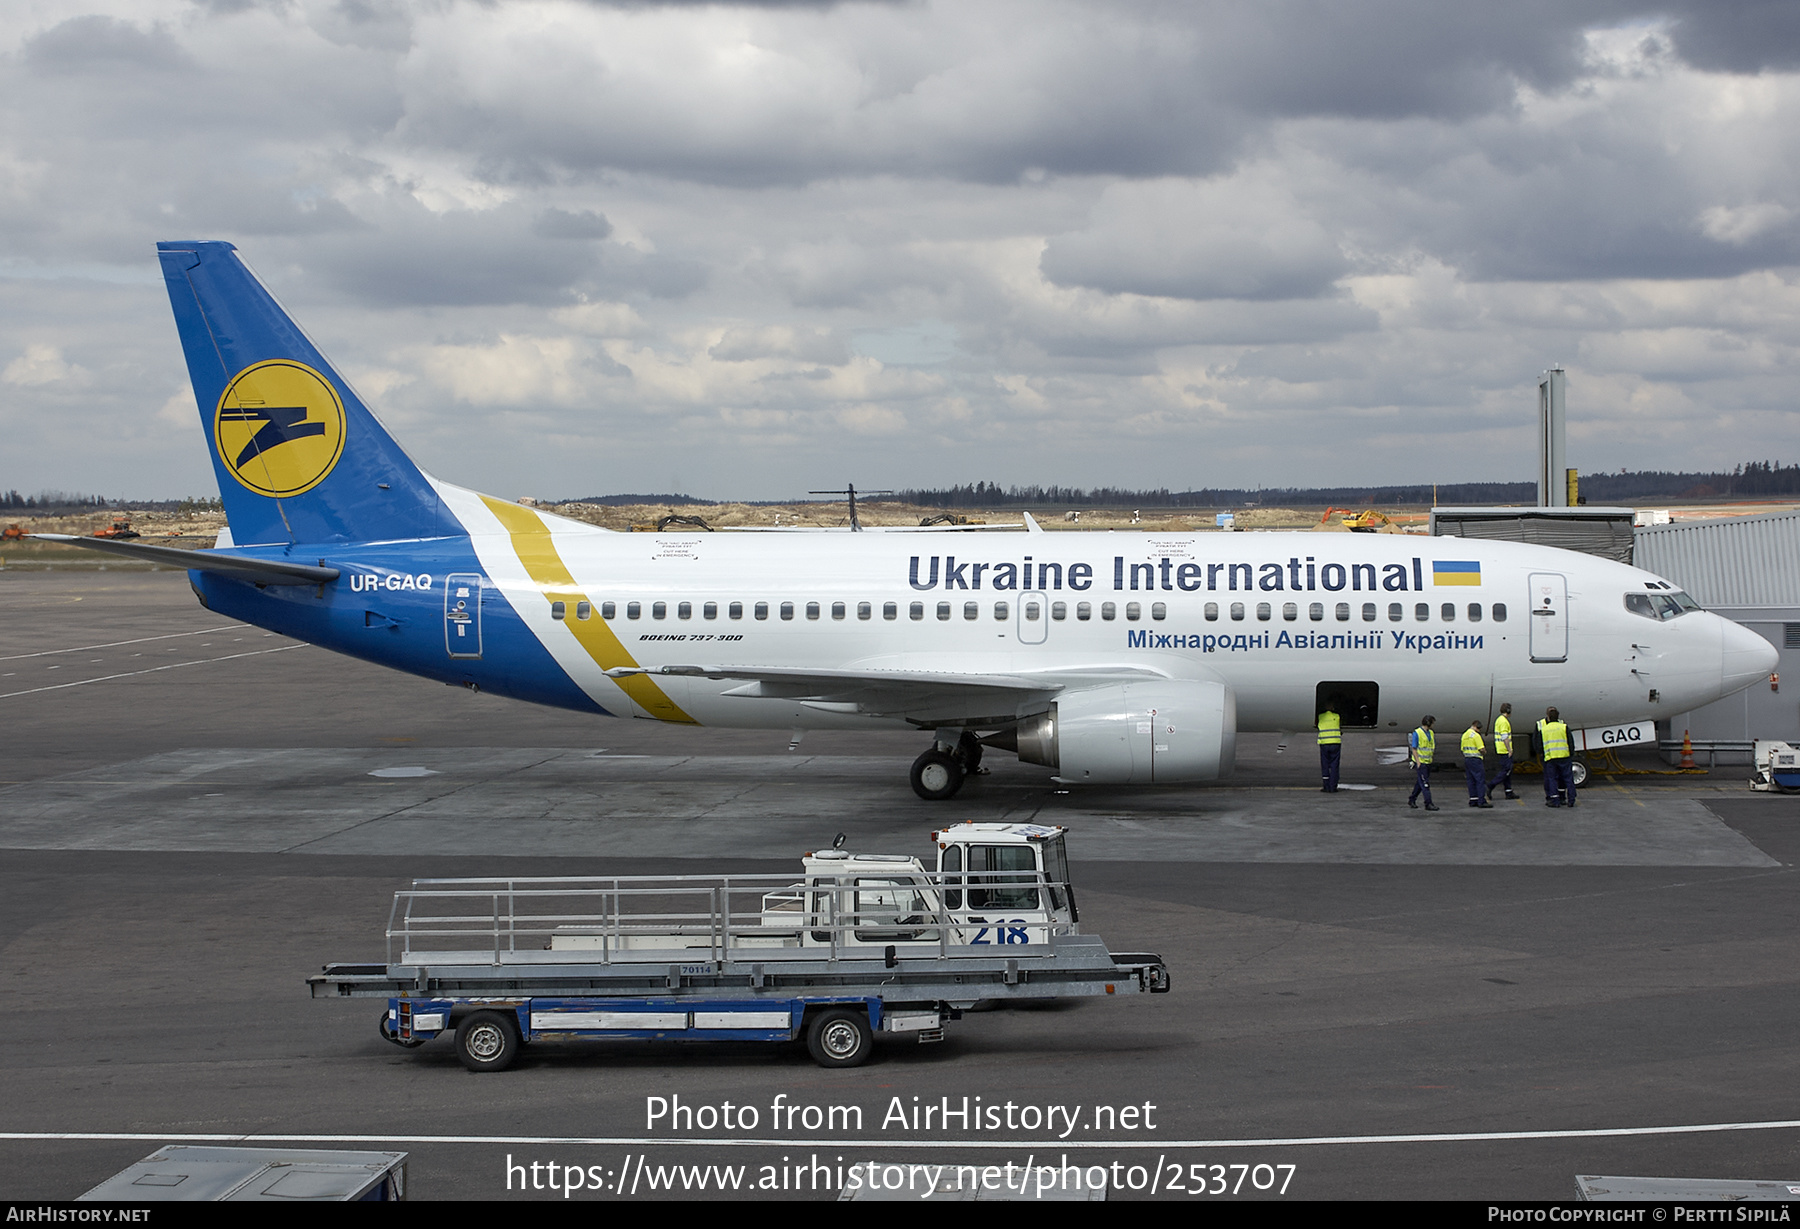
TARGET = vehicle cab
x,y
1006,884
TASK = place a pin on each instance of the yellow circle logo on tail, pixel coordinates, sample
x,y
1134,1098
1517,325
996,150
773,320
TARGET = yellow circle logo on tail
x,y
279,428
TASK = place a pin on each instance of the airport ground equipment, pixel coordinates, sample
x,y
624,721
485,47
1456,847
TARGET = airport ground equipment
x,y
1777,767
195,1174
860,944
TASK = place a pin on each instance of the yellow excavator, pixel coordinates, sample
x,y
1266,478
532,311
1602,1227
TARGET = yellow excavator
x,y
1357,522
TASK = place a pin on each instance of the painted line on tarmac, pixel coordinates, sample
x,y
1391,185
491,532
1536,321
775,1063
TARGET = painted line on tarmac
x,y
1298,1141
113,644
106,678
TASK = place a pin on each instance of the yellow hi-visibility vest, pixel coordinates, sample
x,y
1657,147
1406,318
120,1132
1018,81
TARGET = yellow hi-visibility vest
x,y
1331,729
1472,744
1556,739
1502,735
1424,743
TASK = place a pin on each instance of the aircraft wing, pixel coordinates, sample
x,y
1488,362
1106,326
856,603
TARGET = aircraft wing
x,y
918,695
238,567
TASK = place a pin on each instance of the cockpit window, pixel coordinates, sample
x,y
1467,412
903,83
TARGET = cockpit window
x,y
1671,604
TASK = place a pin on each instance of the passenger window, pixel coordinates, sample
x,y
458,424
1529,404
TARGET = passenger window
x,y
735,610
1133,610
943,610
787,610
1499,612
710,610
1002,611
1211,612
1084,611
608,610
633,610
1108,611
1395,612
1237,610
556,610
1058,610
583,610
971,610
1343,612
762,610
1316,612
916,611
1422,612
1159,610
1290,611
659,610
812,610
1032,609
864,610
1474,612
1263,611
684,611
837,610
1368,612
891,610
1448,612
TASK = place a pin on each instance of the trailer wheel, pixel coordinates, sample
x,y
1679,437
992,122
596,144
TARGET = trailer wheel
x,y
1578,773
488,1041
840,1038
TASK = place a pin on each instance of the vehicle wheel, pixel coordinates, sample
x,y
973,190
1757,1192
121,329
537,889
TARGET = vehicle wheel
x,y
840,1038
1578,772
381,1026
968,750
488,1041
937,775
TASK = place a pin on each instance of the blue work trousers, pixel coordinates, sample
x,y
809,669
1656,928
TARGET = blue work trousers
x,y
1329,756
1476,772
1421,783
1559,782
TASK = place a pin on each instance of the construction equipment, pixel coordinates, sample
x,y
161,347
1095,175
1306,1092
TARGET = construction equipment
x,y
1357,522
861,944
120,529
673,521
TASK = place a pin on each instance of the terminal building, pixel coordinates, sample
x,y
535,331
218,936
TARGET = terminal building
x,y
1746,568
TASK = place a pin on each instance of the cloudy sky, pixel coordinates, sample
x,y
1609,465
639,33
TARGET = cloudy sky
x,y
571,248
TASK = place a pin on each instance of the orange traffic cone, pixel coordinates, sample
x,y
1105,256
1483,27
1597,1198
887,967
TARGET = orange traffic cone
x,y
1687,751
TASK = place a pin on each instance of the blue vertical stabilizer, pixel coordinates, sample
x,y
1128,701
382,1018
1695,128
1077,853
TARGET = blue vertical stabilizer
x,y
299,457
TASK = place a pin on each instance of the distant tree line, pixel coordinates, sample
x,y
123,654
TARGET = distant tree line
x,y
50,502
1754,478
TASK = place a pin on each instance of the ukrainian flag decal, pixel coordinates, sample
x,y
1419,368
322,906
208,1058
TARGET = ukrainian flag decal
x,y
1455,572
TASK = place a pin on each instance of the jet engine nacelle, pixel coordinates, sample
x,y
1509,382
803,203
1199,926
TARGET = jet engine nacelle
x,y
1135,734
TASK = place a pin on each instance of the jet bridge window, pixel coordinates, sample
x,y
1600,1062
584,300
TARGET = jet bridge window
x,y
634,610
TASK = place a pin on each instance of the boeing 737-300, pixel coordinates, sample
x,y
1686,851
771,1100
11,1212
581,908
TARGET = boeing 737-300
x,y
1115,658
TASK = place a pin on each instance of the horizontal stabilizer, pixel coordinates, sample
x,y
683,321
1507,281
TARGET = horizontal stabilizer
x,y
238,567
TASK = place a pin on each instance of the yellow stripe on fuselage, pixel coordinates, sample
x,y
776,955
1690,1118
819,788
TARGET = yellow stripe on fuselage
x,y
531,541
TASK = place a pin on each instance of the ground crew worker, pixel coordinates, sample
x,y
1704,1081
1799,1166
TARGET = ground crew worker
x,y
1559,772
1423,744
1502,753
1474,747
1331,745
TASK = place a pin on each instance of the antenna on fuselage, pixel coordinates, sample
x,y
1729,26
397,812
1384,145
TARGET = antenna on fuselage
x,y
849,492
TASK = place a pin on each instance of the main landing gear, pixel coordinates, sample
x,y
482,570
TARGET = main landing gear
x,y
941,770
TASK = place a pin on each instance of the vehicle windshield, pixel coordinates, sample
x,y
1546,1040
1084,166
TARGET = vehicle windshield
x,y
1056,870
1662,606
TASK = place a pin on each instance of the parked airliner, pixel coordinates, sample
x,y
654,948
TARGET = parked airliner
x,y
1106,657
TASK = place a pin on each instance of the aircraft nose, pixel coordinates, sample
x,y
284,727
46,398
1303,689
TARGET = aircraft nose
x,y
1746,658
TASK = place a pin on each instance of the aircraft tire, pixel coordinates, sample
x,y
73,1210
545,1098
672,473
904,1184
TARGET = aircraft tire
x,y
488,1041
937,775
840,1038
